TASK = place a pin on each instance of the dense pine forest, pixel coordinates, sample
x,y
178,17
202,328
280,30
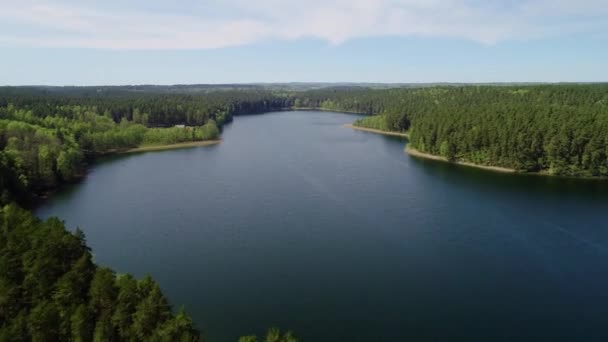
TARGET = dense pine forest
x,y
51,290
551,129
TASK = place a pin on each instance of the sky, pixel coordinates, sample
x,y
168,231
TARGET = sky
x,y
117,42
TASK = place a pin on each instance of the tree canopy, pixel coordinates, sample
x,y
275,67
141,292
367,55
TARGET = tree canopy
x,y
553,129
50,290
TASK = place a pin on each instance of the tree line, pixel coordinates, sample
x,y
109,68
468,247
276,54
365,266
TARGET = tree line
x,y
50,290
49,134
147,107
552,129
39,153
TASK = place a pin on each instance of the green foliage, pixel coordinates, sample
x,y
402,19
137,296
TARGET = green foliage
x,y
81,324
178,328
374,122
273,335
174,135
346,99
554,129
51,291
47,139
35,157
147,106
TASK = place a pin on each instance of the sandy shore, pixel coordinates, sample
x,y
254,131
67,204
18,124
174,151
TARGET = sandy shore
x,y
418,154
171,146
377,131
321,110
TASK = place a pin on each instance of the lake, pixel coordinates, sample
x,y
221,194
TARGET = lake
x,y
297,222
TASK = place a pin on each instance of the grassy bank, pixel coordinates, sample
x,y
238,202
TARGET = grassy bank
x,y
170,146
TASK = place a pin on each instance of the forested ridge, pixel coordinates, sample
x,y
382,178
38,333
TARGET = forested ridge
x,y
559,130
552,129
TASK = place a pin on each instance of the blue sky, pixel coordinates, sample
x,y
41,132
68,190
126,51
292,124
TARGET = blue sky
x,y
68,42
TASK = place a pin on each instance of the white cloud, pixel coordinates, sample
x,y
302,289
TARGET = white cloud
x,y
240,22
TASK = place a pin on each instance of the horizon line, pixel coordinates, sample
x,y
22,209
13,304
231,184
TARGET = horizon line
x,y
301,83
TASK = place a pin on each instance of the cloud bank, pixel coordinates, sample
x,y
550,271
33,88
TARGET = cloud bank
x,y
213,24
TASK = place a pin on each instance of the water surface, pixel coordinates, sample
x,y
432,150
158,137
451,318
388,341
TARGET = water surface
x,y
297,222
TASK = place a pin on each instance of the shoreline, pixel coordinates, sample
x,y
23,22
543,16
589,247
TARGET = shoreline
x,y
295,109
37,198
377,131
150,148
417,154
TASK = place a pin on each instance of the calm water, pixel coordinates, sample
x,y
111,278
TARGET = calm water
x,y
296,222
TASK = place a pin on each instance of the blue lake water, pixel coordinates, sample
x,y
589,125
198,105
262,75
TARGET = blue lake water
x,y
297,222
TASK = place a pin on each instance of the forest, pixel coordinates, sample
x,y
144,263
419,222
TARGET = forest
x,y
550,129
50,290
